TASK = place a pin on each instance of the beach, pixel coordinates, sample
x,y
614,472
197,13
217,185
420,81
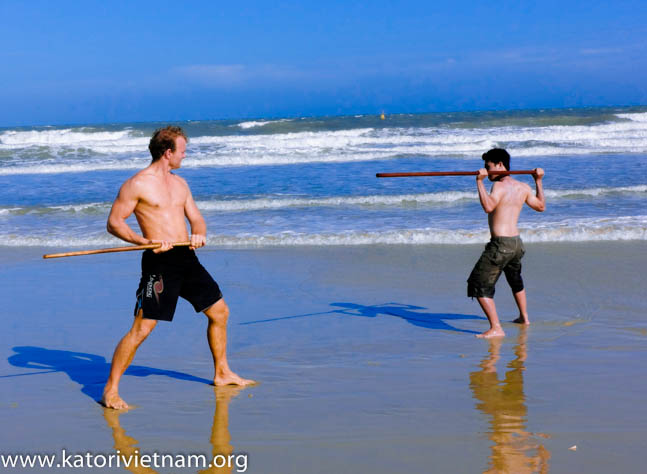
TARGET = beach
x,y
340,166
365,355
347,296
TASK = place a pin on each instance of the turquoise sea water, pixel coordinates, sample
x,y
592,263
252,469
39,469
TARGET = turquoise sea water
x,y
311,181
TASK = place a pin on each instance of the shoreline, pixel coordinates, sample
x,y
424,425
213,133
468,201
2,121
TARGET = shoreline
x,y
7,251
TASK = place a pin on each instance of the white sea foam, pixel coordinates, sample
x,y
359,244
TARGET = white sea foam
x,y
10,210
273,202
576,230
81,208
588,229
72,151
602,191
126,150
85,138
339,201
252,124
73,167
580,230
258,123
399,200
87,207
59,137
636,116
369,144
66,241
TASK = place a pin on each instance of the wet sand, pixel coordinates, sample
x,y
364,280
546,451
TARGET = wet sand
x,y
366,357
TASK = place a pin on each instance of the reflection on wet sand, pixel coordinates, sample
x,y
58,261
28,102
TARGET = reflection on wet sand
x,y
514,449
127,446
220,438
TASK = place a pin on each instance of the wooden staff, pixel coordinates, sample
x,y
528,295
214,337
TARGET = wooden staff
x,y
113,249
451,173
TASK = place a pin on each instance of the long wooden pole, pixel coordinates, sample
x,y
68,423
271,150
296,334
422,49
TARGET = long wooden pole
x,y
450,173
113,249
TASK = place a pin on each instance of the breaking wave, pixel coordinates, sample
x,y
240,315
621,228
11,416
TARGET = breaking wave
x,y
87,149
268,203
576,230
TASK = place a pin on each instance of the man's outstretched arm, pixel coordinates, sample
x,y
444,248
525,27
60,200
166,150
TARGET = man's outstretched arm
x,y
537,202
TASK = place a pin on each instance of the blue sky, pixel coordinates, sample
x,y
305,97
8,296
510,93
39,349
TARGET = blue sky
x,y
97,62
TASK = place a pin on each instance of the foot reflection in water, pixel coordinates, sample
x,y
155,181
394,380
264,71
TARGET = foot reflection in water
x,y
220,438
126,446
128,449
514,449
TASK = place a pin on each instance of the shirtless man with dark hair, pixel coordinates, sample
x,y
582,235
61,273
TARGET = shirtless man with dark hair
x,y
162,202
504,251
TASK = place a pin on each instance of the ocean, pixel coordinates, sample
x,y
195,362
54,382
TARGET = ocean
x,y
311,181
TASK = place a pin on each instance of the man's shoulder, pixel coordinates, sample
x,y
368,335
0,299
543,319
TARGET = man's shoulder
x,y
523,185
139,182
140,178
180,182
179,179
511,187
522,188
510,181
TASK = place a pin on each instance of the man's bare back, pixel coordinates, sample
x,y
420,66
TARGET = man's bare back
x,y
504,203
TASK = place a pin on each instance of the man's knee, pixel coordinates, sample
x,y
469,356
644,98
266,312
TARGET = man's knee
x,y
482,280
474,290
218,312
515,281
142,328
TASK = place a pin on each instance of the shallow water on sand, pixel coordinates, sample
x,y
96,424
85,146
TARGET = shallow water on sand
x,y
365,355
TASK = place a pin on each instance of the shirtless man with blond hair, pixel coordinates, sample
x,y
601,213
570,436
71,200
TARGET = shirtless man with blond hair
x,y
504,251
162,202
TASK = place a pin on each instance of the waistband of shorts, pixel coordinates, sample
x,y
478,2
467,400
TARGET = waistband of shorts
x,y
515,238
174,252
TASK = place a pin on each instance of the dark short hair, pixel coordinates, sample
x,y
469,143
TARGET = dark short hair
x,y
497,155
164,139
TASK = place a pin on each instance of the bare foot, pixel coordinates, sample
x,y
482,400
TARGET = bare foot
x,y
230,378
113,400
492,332
522,320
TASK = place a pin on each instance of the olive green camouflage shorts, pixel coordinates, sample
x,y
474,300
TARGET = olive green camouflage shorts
x,y
501,254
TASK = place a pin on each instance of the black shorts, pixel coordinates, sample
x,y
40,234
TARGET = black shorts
x,y
167,275
501,254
